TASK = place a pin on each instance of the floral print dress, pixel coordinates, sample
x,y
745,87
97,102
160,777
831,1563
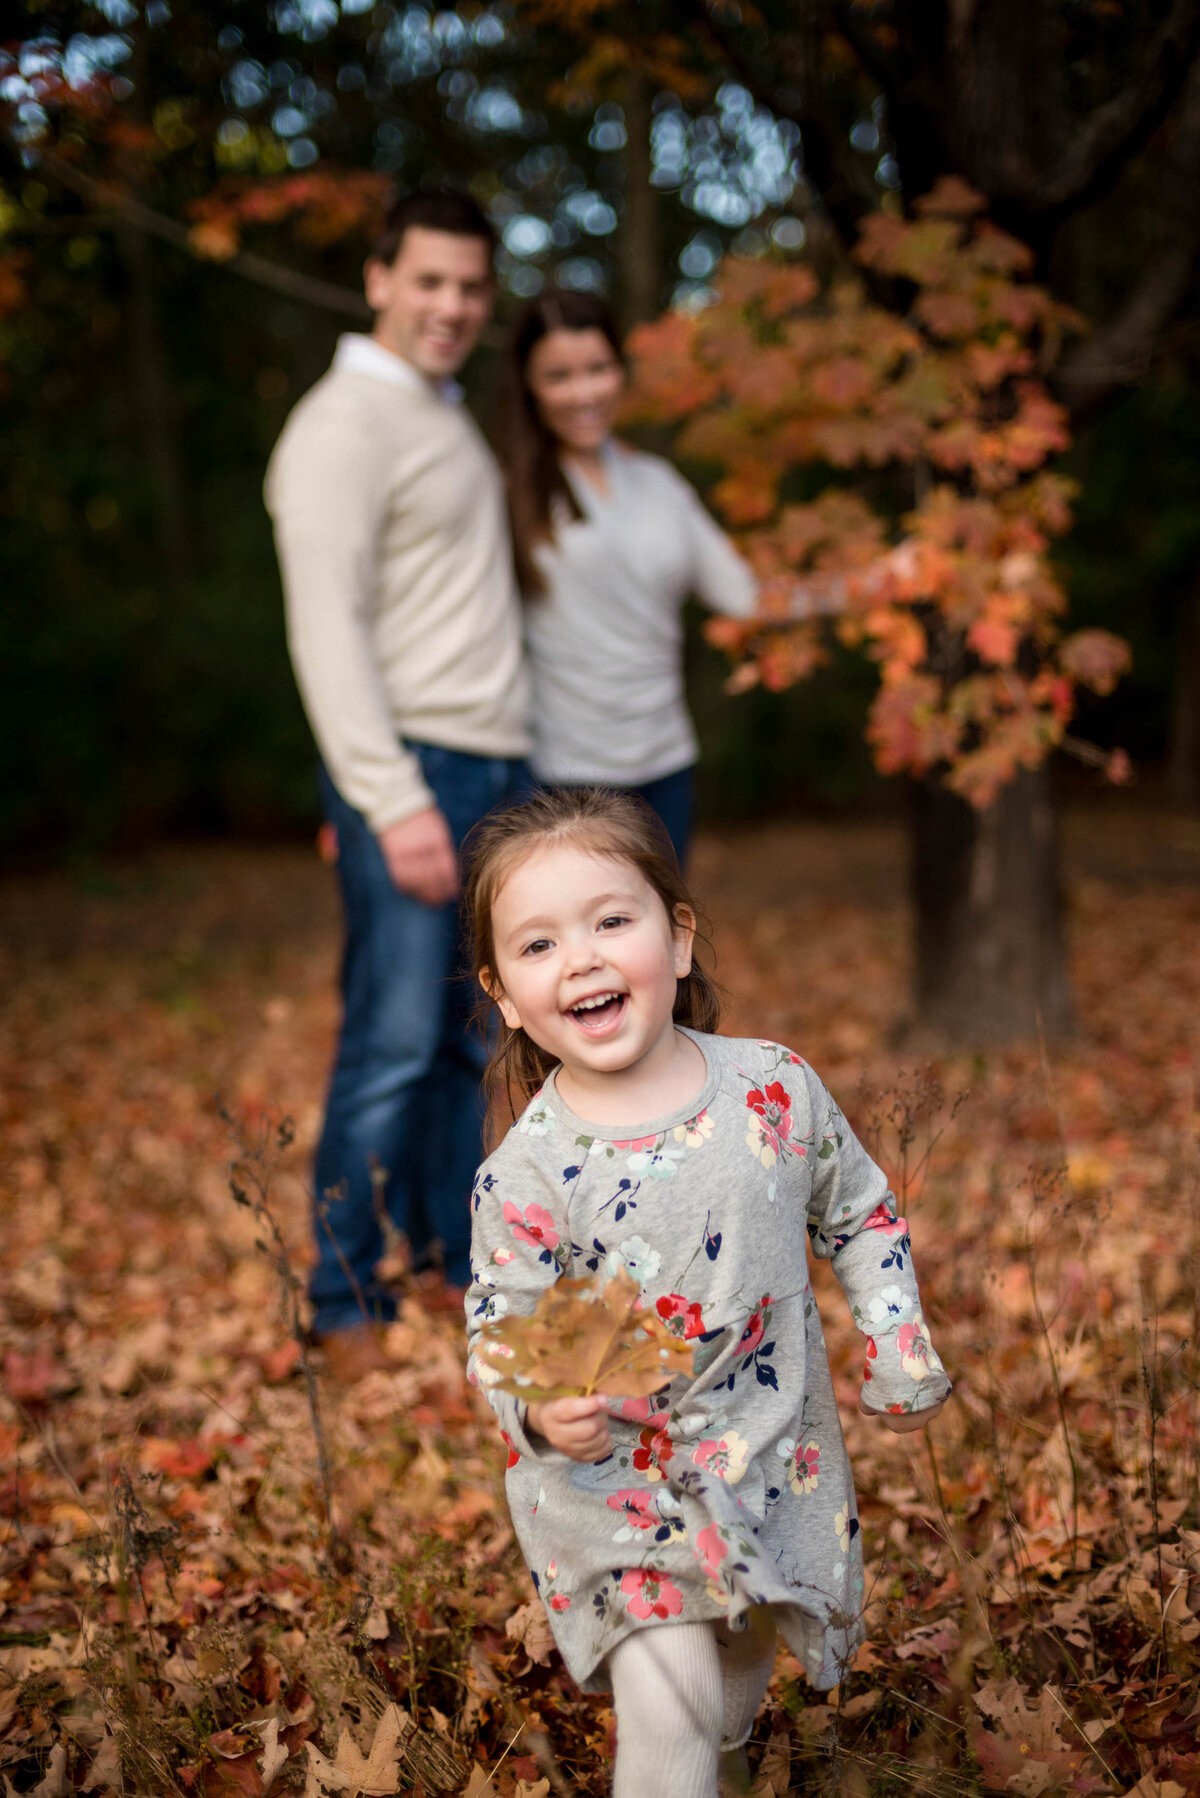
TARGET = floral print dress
x,y
731,1487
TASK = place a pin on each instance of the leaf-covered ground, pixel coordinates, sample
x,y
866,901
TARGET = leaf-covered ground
x,y
179,1614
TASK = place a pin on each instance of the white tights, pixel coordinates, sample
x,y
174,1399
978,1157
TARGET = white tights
x,y
683,1693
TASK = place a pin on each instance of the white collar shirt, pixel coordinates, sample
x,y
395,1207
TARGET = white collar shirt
x,y
359,354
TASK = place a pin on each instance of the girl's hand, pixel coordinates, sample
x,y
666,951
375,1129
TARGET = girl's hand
x,y
903,1423
577,1427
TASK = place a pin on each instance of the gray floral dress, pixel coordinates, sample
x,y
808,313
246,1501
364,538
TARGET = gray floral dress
x,y
731,1487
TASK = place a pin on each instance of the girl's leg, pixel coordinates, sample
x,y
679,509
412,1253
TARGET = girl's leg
x,y
747,1657
667,1694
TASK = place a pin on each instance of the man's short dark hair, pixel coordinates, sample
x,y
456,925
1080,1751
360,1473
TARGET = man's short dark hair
x,y
440,210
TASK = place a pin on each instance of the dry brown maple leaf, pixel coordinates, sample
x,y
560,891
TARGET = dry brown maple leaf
x,y
371,1775
529,1627
585,1336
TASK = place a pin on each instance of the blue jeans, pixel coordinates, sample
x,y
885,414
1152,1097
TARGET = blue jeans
x,y
671,798
404,1096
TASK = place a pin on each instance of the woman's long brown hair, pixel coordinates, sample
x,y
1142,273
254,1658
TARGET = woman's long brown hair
x,y
602,822
529,450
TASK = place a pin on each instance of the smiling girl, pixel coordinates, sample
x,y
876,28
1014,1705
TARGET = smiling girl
x,y
671,1537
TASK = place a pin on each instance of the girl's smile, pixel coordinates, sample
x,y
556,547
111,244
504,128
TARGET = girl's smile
x,y
587,963
598,1016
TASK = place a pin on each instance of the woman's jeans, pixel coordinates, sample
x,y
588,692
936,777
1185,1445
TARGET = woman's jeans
x,y
671,798
404,1097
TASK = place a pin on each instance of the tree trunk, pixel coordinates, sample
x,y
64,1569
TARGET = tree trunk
x,y
990,947
155,402
150,372
1183,759
641,239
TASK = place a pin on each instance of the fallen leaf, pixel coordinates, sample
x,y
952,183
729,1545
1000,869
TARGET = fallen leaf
x,y
32,1379
185,1460
280,1363
775,1768
584,1336
273,1755
104,1774
377,1626
529,1627
375,1774
56,1783
228,1743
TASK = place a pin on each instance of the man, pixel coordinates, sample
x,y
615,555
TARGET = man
x,y
404,631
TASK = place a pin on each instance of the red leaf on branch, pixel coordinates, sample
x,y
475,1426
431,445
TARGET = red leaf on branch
x,y
779,374
1095,658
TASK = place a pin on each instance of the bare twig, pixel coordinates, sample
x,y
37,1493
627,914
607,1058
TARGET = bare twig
x,y
252,1165
122,207
1092,1748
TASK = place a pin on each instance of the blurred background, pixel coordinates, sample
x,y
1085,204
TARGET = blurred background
x,y
186,191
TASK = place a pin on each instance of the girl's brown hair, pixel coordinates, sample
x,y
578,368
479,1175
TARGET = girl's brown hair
x,y
602,822
529,450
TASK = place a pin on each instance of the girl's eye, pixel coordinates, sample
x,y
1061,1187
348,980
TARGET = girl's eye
x,y
612,922
537,946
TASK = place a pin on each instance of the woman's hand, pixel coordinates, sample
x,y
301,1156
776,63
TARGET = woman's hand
x,y
577,1427
903,1423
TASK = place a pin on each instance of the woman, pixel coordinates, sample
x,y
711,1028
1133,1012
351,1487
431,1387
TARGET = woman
x,y
608,543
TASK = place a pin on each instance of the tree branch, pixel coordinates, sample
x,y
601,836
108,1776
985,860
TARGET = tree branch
x,y
251,267
1115,130
1121,350
877,61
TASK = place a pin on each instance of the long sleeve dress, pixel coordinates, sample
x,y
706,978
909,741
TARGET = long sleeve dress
x,y
731,1487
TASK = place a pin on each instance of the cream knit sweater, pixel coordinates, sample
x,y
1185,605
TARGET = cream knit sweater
x,y
403,618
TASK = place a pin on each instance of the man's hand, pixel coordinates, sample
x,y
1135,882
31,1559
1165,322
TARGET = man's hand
x,y
419,852
903,1423
577,1427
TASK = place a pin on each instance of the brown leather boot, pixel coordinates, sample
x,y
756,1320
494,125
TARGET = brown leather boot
x,y
353,1353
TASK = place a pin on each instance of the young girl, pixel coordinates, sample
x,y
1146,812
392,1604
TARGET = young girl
x,y
670,1537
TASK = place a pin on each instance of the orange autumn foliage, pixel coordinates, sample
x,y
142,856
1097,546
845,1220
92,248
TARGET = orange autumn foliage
x,y
326,205
928,545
